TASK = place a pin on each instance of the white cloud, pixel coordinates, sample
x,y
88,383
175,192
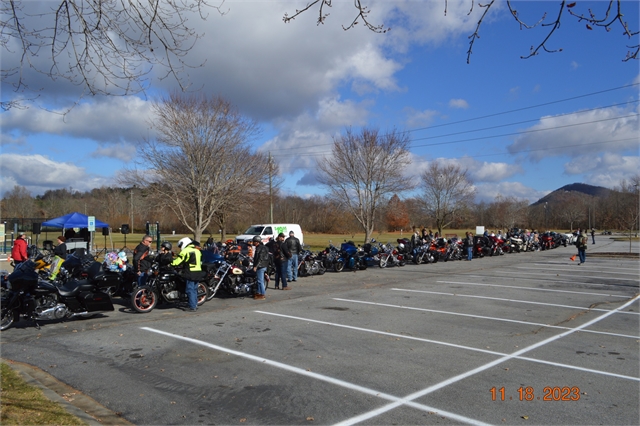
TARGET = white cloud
x,y
458,103
122,151
420,118
106,120
38,173
488,192
606,170
590,132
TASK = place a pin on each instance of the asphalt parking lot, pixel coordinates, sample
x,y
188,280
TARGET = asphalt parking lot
x,y
528,338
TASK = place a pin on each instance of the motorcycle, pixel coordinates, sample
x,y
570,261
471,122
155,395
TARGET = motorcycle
x,y
369,253
310,264
332,258
164,285
390,257
29,297
352,261
236,279
404,249
454,250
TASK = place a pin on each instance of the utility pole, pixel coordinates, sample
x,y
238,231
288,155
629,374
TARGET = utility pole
x,y
270,190
131,208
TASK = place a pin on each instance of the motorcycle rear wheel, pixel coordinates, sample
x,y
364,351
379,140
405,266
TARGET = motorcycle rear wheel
x,y
321,269
7,318
144,299
203,293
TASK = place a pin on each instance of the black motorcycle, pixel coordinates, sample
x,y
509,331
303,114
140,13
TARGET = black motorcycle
x,y
164,285
25,295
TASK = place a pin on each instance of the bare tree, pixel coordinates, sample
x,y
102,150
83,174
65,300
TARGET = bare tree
x,y
447,190
610,15
508,212
18,203
105,47
572,207
201,160
628,205
364,169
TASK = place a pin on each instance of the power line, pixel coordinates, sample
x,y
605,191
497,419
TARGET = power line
x,y
504,113
314,154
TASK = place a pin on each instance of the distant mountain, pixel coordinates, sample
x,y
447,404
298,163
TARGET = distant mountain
x,y
594,191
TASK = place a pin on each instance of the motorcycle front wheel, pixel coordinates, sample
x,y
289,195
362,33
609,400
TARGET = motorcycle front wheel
x,y
144,299
339,266
383,261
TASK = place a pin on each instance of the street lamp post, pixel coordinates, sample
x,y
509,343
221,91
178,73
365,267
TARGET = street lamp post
x,y
546,220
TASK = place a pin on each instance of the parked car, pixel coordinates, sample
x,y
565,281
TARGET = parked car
x,y
606,232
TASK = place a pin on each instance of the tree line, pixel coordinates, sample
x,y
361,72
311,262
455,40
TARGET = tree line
x,y
322,214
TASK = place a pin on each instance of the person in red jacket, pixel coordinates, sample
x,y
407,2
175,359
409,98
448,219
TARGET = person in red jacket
x,y
19,250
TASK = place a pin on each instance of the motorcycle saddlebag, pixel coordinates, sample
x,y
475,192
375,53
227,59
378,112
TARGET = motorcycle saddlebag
x,y
96,301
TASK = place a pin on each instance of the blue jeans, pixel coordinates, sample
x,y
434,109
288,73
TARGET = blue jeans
x,y
582,254
292,269
469,252
142,279
281,273
260,278
192,294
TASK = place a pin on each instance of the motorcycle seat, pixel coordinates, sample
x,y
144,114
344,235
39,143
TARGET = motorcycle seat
x,y
74,287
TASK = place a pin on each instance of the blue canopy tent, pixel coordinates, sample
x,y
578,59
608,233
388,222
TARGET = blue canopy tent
x,y
73,220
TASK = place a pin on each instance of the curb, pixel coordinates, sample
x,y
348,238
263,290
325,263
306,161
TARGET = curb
x,y
73,401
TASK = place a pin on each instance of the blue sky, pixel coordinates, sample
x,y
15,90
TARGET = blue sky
x,y
522,127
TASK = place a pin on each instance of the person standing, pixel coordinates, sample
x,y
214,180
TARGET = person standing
x,y
295,248
60,254
593,235
581,244
141,262
260,263
468,241
281,260
19,250
190,258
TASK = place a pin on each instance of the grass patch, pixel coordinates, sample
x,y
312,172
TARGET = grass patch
x,y
23,404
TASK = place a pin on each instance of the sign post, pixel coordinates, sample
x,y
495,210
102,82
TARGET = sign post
x,y
91,226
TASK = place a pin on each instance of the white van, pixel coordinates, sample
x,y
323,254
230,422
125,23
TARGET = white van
x,y
271,230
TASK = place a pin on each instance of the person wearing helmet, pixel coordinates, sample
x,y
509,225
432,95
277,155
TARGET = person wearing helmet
x,y
165,257
190,259
260,263
141,263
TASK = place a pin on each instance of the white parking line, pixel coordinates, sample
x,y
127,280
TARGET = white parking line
x,y
535,289
541,274
436,311
334,381
616,269
539,278
480,369
453,345
512,300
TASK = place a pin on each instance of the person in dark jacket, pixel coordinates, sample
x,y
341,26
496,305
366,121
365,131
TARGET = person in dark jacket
x,y
281,257
468,242
260,263
141,263
295,248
